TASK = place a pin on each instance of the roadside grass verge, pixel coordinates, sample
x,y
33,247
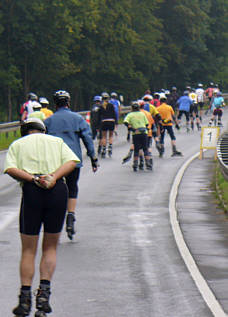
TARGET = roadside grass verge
x,y
7,138
221,189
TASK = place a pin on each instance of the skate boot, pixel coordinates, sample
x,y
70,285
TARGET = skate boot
x,y
210,123
158,147
127,157
149,164
99,150
198,126
70,225
219,123
103,153
192,126
24,306
175,152
162,150
110,150
42,302
141,163
135,166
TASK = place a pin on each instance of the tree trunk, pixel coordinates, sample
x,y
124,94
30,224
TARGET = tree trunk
x,y
9,105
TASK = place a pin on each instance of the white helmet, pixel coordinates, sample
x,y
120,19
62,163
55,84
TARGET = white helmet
x,y
147,97
36,105
162,96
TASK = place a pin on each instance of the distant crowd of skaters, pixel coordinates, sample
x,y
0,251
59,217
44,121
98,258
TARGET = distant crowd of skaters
x,y
150,117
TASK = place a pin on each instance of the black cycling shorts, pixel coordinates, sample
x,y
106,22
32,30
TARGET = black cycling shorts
x,y
107,125
43,206
72,183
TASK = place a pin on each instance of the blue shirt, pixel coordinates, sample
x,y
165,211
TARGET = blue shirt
x,y
217,102
184,103
71,127
116,105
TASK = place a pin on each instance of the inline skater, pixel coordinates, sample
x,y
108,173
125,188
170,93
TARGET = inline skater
x,y
194,113
137,121
37,113
217,104
107,119
27,108
94,120
209,93
172,98
72,128
156,101
147,102
116,103
200,99
168,116
45,103
184,104
39,161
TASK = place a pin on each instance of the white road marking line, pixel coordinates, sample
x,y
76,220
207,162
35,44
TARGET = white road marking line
x,y
199,280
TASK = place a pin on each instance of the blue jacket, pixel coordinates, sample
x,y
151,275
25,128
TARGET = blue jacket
x,y
184,103
71,127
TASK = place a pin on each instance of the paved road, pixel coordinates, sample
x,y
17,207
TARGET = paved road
x,y
124,260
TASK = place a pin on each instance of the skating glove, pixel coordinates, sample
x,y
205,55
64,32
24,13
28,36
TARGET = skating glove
x,y
94,163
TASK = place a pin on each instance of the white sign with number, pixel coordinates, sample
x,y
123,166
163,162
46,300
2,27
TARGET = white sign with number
x,y
209,137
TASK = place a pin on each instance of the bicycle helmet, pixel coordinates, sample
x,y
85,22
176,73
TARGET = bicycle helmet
x,y
32,96
174,88
97,98
32,124
147,97
105,95
114,94
43,101
163,96
36,105
200,85
61,98
135,105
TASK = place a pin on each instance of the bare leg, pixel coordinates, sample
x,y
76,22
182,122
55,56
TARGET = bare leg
x,y
48,259
27,264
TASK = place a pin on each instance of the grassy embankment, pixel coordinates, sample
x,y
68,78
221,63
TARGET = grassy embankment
x,y
6,141
221,189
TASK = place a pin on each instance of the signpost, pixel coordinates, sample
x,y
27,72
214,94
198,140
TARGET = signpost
x,y
209,139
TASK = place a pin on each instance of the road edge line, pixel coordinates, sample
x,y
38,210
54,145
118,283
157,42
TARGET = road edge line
x,y
198,278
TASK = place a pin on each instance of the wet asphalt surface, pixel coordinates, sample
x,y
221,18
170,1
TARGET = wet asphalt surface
x,y
124,260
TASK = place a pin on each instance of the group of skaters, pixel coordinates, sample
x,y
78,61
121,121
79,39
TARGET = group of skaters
x,y
150,118
47,160
35,107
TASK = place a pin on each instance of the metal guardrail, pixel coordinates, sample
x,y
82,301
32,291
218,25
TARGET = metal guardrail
x,y
13,126
222,154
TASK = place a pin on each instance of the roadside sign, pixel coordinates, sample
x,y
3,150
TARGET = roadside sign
x,y
209,139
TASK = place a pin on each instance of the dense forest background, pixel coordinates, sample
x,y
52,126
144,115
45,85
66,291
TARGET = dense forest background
x,y
90,46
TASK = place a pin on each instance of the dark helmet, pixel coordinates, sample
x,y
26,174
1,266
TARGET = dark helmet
x,y
61,98
32,124
135,106
105,95
32,96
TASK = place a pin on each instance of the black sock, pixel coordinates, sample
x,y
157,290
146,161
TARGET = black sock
x,y
25,288
45,284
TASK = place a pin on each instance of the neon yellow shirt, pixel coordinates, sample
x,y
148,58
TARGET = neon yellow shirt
x,y
136,119
38,153
37,114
